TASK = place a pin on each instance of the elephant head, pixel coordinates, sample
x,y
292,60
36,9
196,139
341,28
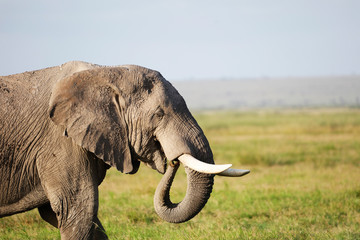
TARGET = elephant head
x,y
129,114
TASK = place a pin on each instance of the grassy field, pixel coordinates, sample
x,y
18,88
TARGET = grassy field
x,y
304,183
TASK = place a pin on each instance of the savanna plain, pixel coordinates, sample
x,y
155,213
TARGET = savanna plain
x,y
304,183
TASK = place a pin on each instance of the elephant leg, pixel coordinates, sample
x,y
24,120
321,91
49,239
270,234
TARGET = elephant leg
x,y
48,214
73,197
83,229
76,214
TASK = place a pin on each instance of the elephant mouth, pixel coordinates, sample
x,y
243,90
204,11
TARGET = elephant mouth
x,y
154,157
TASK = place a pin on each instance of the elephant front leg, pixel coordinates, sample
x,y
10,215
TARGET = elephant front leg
x,y
70,182
84,230
73,207
49,216
77,216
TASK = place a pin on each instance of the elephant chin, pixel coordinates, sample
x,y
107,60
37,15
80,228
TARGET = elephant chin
x,y
198,192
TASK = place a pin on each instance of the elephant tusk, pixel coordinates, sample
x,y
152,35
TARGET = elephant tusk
x,y
221,170
202,167
233,172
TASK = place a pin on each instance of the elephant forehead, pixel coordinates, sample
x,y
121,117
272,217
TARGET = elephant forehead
x,y
164,95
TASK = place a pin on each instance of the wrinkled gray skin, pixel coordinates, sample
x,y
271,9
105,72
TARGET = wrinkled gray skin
x,y
61,128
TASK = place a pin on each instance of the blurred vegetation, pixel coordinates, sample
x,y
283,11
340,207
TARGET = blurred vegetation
x,y
317,137
304,183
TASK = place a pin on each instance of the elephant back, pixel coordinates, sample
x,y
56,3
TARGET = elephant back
x,y
27,94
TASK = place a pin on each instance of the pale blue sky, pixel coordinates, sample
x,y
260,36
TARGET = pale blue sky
x,y
189,39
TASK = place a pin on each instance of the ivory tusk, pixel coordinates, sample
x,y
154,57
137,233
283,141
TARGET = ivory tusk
x,y
233,172
202,167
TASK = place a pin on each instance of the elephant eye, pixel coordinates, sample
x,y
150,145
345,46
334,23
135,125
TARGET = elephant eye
x,y
159,114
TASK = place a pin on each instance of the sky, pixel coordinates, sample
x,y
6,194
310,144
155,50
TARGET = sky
x,y
188,39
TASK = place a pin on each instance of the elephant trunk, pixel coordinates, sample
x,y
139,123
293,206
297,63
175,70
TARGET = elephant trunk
x,y
198,192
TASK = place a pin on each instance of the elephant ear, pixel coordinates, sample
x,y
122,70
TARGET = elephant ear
x,y
92,112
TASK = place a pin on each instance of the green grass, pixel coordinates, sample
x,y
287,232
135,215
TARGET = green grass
x,y
304,183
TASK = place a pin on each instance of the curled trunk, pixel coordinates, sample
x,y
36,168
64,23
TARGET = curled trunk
x,y
198,192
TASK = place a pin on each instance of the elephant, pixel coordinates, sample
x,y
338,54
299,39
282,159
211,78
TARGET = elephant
x,y
63,127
